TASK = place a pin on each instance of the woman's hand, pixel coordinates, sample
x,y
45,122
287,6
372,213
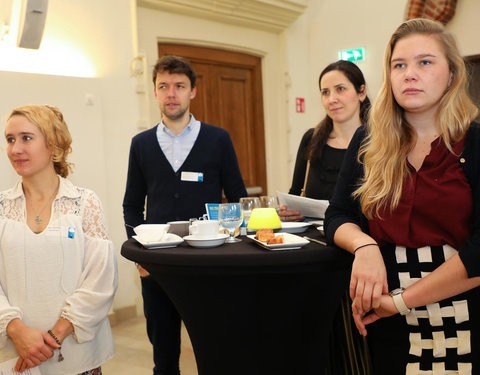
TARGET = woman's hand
x,y
387,308
289,215
33,346
62,329
21,365
369,279
142,271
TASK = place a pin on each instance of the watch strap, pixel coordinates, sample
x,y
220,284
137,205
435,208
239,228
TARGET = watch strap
x,y
400,304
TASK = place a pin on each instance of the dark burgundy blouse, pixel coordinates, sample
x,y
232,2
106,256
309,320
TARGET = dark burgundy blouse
x,y
435,207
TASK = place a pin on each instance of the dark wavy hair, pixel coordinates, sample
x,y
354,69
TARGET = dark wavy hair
x,y
174,65
324,128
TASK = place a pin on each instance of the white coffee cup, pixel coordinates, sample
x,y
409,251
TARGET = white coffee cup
x,y
204,228
151,232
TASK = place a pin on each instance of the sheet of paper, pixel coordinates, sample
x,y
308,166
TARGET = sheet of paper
x,y
212,210
308,207
7,368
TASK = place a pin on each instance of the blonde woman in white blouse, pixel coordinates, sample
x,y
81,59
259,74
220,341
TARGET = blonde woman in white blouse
x,y
58,270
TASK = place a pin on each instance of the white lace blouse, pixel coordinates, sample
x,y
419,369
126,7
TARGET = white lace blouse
x,y
68,270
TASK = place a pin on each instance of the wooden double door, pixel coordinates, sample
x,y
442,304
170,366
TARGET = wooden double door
x,y
229,95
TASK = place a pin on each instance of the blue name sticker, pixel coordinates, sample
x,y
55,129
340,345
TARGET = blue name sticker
x,y
71,232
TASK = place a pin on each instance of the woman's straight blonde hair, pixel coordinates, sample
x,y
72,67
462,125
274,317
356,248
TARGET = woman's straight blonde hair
x,y
389,136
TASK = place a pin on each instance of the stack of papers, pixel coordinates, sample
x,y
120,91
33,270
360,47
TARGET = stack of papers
x,y
7,368
308,207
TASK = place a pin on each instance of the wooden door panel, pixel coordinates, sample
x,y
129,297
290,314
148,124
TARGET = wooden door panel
x,y
236,98
199,105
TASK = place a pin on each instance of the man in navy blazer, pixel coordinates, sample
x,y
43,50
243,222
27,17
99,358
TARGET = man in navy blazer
x,y
176,166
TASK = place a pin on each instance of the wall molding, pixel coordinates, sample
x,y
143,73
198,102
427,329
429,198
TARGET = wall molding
x,y
213,44
267,15
120,315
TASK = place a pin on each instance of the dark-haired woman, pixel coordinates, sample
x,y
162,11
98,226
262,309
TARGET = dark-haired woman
x,y
319,158
344,97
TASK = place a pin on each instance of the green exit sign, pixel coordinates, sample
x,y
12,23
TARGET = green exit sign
x,y
355,54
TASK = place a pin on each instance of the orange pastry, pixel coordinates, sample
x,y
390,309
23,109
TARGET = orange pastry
x,y
275,240
265,234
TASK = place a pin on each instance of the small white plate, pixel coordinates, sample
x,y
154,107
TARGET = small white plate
x,y
321,230
295,227
206,242
170,240
291,242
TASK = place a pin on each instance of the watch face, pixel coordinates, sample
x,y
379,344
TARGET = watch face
x,y
397,291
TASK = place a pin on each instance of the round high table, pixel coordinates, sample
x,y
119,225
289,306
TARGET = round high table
x,y
252,311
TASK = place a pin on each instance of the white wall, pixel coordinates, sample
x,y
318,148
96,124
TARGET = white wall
x,y
314,41
100,33
83,121
465,27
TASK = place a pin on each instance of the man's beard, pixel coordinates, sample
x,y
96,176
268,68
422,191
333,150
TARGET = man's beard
x,y
175,116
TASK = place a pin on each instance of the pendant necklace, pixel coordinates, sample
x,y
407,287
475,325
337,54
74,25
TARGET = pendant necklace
x,y
38,219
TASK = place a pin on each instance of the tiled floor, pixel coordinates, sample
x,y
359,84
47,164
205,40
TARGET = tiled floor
x,y
134,351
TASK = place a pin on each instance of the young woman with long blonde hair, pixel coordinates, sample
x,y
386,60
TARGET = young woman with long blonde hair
x,y
407,204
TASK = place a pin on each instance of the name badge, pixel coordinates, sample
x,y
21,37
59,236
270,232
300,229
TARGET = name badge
x,y
71,232
192,176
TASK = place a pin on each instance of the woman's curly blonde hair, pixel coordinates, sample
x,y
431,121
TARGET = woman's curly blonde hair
x,y
50,121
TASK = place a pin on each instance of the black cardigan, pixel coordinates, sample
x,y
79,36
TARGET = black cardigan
x,y
168,197
344,209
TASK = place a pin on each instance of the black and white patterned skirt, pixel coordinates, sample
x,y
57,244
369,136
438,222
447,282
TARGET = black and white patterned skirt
x,y
437,339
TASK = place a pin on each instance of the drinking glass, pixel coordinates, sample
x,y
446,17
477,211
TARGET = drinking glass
x,y
248,204
230,217
269,201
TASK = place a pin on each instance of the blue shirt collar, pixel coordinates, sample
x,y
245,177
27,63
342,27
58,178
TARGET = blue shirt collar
x,y
185,131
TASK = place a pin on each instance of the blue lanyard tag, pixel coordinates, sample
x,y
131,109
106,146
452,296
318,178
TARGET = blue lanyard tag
x,y
71,232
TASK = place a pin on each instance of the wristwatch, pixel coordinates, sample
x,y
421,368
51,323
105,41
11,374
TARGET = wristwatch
x,y
399,302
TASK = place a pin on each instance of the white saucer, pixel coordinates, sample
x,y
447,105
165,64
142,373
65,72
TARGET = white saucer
x,y
206,241
295,227
170,240
291,242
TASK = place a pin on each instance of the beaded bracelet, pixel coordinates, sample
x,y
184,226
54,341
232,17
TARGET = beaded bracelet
x,y
367,244
60,356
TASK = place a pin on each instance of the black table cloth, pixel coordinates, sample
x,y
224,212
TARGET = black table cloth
x,y
249,310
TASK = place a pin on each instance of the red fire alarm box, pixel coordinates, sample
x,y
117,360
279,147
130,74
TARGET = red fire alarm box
x,y
300,105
